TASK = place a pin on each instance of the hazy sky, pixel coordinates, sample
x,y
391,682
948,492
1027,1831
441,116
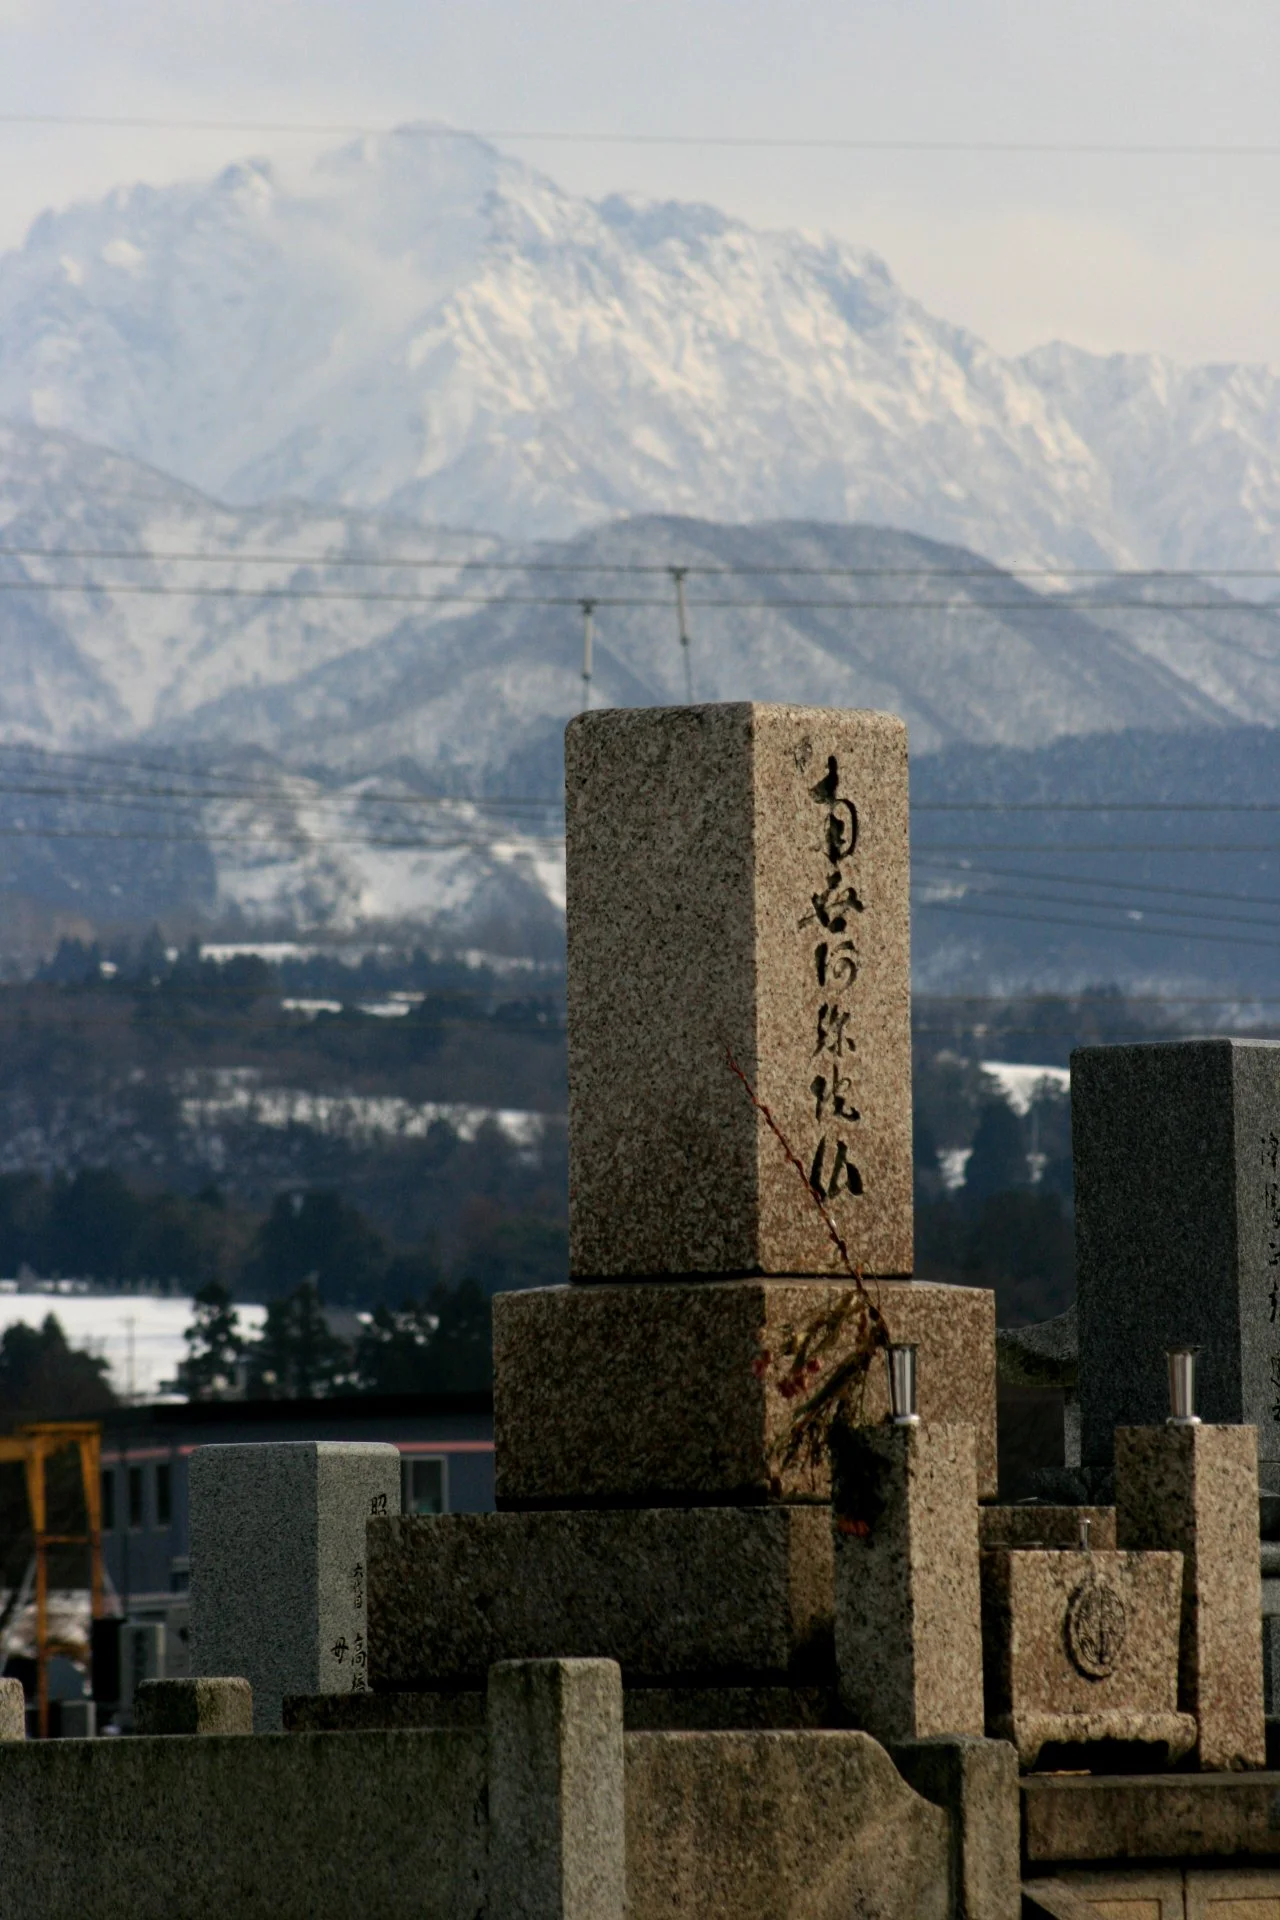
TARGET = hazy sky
x,y
1170,252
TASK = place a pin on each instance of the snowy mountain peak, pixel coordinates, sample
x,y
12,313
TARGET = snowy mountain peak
x,y
417,322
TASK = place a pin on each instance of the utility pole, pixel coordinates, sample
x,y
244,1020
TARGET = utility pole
x,y
678,574
588,609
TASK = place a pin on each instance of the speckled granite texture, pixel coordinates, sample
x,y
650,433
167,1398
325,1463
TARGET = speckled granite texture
x,y
810,1826
1176,1150
1195,1490
193,1706
710,1594
908,1628
644,1709
737,879
557,1796
1031,1526
619,1395
1155,1816
1082,1647
277,1564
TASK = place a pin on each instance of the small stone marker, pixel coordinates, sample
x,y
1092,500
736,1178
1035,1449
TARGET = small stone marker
x,y
1082,1647
557,1815
278,1564
738,883
13,1710
193,1706
1177,1191
1194,1489
908,1610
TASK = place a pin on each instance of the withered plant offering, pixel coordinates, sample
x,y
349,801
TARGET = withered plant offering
x,y
820,1368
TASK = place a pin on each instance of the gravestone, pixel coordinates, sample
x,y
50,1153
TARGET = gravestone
x,y
1177,1191
737,886
278,1564
738,911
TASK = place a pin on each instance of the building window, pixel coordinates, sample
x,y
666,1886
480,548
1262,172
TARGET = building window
x,y
164,1494
422,1487
108,1499
136,1500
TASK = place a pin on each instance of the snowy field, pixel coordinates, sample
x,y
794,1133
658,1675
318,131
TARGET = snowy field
x,y
140,1336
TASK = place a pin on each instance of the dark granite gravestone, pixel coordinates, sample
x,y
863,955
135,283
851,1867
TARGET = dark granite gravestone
x,y
1177,1191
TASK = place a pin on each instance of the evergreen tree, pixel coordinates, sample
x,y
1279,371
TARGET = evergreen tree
x,y
42,1378
317,1237
298,1356
442,1344
214,1345
998,1162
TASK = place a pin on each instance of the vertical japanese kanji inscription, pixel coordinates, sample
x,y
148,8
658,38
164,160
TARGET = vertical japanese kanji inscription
x,y
738,883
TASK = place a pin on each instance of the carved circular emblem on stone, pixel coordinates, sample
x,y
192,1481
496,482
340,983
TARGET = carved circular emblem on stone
x,y
1096,1627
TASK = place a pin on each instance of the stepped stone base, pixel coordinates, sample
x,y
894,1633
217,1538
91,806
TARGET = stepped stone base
x,y
644,1710
715,1595
652,1393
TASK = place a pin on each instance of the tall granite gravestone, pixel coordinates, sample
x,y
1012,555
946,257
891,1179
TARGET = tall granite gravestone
x,y
279,1572
1177,1190
738,898
737,882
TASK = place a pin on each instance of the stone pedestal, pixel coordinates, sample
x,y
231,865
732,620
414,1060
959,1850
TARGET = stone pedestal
x,y
908,1621
1195,1490
1080,1648
1176,1150
737,882
711,1597
557,1803
666,1394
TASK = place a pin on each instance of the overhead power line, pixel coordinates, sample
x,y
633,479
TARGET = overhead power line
x,y
767,143
1095,926
967,869
990,571
1033,604
1135,915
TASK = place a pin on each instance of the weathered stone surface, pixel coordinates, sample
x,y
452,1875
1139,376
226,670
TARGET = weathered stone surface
x,y
13,1710
779,1826
976,1781
737,881
193,1706
1177,1191
360,1712
720,1709
386,1824
726,1593
908,1631
557,1804
1034,1526
278,1564
615,1395
644,1709
1157,1816
1232,1893
1082,1647
1133,1893
1195,1490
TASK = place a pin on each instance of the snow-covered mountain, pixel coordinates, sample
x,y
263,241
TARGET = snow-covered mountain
x,y
421,325
133,608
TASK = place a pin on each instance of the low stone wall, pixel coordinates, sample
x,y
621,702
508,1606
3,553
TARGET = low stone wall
x,y
766,1825
547,1813
278,1827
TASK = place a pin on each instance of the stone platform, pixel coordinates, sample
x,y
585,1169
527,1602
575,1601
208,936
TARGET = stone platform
x,y
706,1595
664,1394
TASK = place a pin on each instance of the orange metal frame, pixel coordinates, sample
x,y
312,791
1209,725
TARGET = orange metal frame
x,y
34,1445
